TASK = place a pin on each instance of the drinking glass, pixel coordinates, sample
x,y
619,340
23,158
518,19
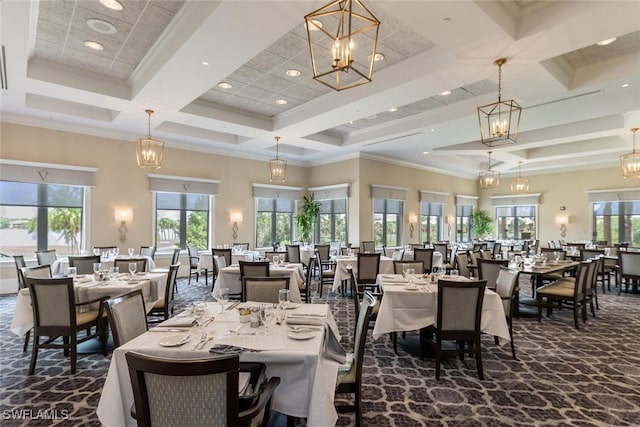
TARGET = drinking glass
x,y
223,298
410,272
276,259
284,298
132,268
198,311
556,256
96,267
266,316
72,272
454,274
96,251
130,251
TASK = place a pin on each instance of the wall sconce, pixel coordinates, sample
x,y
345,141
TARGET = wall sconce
x,y
562,221
449,220
413,220
235,217
122,216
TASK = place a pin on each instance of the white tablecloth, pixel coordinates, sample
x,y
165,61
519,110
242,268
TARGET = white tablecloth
x,y
409,310
307,379
386,266
152,284
61,265
206,258
229,277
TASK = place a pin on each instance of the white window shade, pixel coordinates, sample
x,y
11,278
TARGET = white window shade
x,y
433,197
47,173
385,192
619,195
513,200
178,184
265,191
329,192
466,200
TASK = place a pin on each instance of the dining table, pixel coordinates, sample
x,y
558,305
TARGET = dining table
x,y
386,266
229,277
60,266
296,354
409,305
87,287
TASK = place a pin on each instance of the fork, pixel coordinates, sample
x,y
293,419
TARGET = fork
x,y
203,339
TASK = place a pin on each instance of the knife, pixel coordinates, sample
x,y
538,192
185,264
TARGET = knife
x,y
307,315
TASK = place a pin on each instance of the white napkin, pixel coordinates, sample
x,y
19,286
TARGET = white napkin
x,y
332,348
184,322
309,310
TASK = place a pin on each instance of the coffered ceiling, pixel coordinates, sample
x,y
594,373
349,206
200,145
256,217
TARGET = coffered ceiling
x,y
579,99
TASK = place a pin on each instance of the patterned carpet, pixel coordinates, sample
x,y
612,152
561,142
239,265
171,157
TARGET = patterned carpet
x,y
589,377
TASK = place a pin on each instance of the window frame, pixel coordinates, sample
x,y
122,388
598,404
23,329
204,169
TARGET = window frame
x,y
183,218
426,214
333,214
385,213
274,214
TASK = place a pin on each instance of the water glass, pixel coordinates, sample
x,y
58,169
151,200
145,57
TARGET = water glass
x,y
198,311
223,298
72,272
132,268
97,267
454,274
284,298
266,316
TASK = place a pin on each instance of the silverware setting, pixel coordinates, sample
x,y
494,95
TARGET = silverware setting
x,y
167,330
203,339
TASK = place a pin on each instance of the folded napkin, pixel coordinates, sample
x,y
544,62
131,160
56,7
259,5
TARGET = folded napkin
x,y
332,348
310,310
183,322
393,278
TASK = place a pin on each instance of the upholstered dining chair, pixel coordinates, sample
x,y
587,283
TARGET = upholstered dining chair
x,y
55,316
293,253
127,316
488,270
350,382
496,251
83,263
39,271
149,251
507,289
443,248
270,254
193,392
458,319
462,264
426,256
629,272
123,264
368,246
243,246
326,269
263,289
46,257
399,267
254,268
20,266
225,253
355,249
163,307
323,252
194,259
368,269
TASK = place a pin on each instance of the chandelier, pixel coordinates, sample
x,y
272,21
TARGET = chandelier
x,y
489,178
352,32
499,122
631,162
277,166
520,184
149,150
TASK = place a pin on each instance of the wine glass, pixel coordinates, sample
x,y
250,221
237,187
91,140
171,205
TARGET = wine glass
x,y
223,298
198,311
284,298
96,267
266,316
410,272
132,268
96,251
130,251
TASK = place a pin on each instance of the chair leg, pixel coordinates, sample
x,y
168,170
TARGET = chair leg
x,y
513,347
26,340
575,316
357,404
479,358
74,354
34,353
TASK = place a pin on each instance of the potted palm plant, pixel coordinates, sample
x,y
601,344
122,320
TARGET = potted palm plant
x,y
308,214
482,224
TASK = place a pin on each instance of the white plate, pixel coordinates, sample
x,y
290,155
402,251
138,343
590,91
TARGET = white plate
x,y
301,335
141,273
175,340
389,276
411,288
293,305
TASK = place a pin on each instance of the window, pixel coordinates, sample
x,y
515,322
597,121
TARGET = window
x,y
387,222
274,221
181,219
430,221
463,219
513,221
40,217
332,223
617,222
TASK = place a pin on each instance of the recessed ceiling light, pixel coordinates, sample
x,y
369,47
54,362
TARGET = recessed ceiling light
x,y
205,63
225,85
393,109
625,85
281,101
432,130
112,4
101,26
445,93
606,42
292,73
351,122
93,45
425,152
316,25
377,57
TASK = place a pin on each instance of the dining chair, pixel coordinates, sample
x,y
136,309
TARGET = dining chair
x,y
368,269
46,257
102,249
193,392
496,251
488,270
163,307
293,253
123,264
368,246
426,256
399,267
462,264
149,251
243,246
305,288
263,289
20,266
226,253
417,245
458,319
254,268
350,382
323,251
83,263
474,256
443,248
40,271
397,255
507,289
194,259
55,315
355,249
270,254
127,317
629,272
326,269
